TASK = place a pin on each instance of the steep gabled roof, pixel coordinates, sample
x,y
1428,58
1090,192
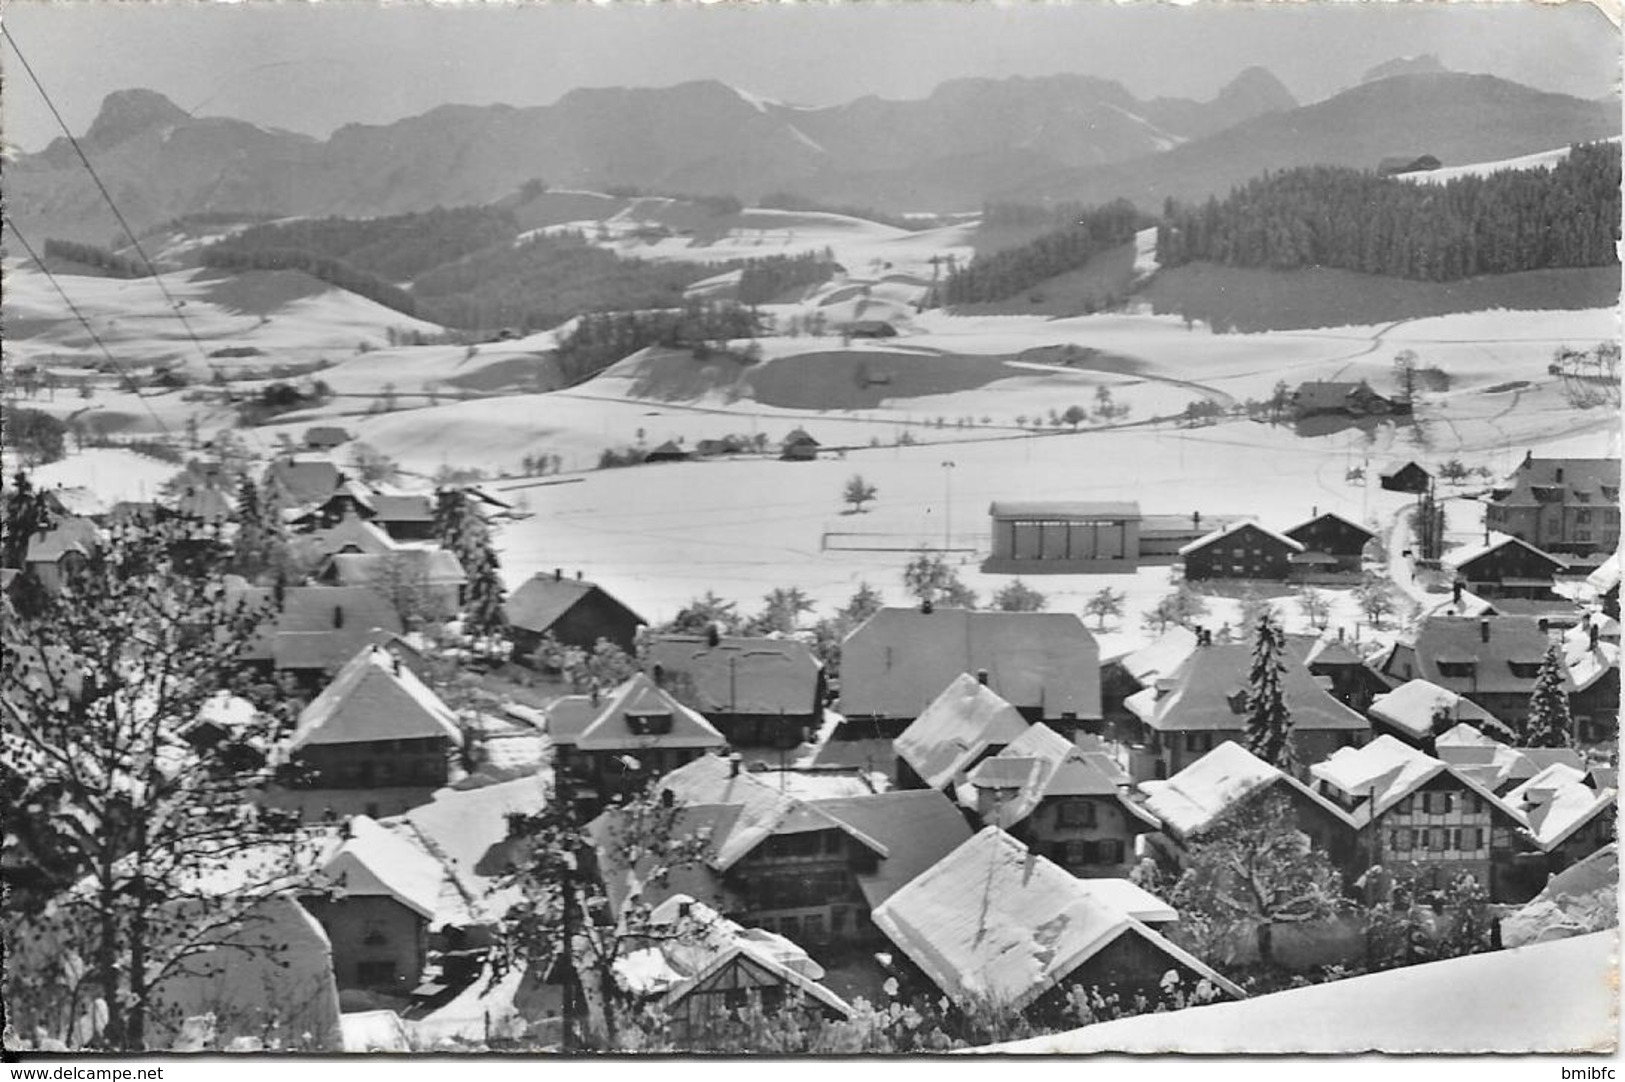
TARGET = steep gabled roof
x,y
1161,657
1412,706
1208,690
407,567
798,436
1585,663
918,827
375,860
741,675
76,535
1467,555
543,599
899,660
611,729
1224,778
304,480
318,627
372,698
993,921
761,811
1235,527
1042,763
959,726
1593,477
349,531
1335,517
1386,771
1462,639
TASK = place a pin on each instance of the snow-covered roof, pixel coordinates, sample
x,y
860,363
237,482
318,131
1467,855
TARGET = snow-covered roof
x,y
917,827
1581,898
468,828
375,697
1386,770
1206,789
616,727
959,726
994,921
1557,802
1606,576
375,860
741,675
1412,707
1207,692
1041,763
1225,531
760,810
1587,663
1548,997
375,1031
1160,657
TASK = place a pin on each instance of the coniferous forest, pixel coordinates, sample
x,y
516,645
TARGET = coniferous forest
x,y
1327,216
1000,275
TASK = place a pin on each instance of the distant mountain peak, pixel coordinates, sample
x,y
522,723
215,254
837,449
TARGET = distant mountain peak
x,y
1259,88
1426,64
125,113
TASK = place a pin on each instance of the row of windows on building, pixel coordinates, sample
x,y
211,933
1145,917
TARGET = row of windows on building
x,y
1440,803
1437,839
1096,852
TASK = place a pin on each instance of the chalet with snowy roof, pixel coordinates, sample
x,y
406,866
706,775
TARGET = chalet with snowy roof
x,y
1413,809
572,611
993,921
1046,665
756,691
325,438
1567,818
699,966
405,516
351,497
1203,703
1604,584
667,452
1067,801
1507,568
1417,712
351,535
1191,802
55,554
422,583
1473,753
1332,546
799,446
376,740
316,629
811,870
1139,669
1315,397
1408,476
1064,537
1492,660
626,737
1244,550
388,891
962,726
1560,505
301,482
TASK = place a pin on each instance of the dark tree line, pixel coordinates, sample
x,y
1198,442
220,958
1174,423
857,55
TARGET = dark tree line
x,y
762,280
396,248
118,266
601,339
1006,274
1327,216
334,272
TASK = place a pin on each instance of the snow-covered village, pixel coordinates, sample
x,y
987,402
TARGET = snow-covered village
x,y
1064,559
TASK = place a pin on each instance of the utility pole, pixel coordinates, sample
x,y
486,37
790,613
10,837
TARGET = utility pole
x,y
947,506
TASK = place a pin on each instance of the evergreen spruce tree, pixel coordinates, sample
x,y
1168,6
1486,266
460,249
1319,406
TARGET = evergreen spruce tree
x,y
463,531
255,539
1548,724
1269,723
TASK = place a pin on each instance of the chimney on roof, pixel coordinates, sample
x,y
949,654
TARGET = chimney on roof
x,y
1196,520
1558,475
338,616
1455,592
578,576
1483,629
733,765
657,673
1591,633
981,677
713,636
1340,633
558,574
926,607
1314,510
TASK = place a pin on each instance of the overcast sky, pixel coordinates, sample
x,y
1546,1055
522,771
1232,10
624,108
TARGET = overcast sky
x,y
311,68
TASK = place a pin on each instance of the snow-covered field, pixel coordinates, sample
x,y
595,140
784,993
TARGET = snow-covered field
x,y
1543,160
